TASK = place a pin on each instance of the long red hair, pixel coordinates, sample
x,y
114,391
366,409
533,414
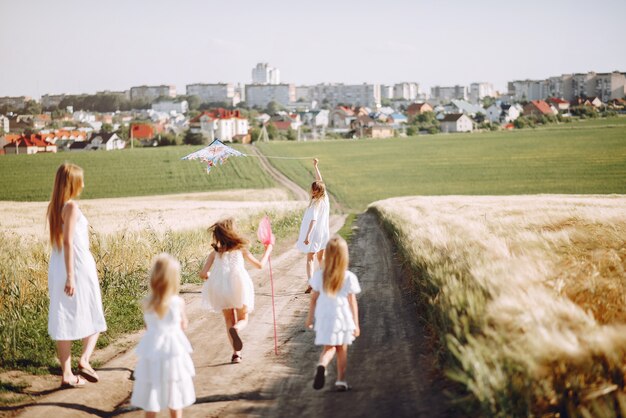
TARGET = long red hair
x,y
68,183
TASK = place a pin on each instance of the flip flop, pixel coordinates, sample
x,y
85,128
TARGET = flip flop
x,y
341,386
79,384
237,343
88,374
308,290
320,377
236,358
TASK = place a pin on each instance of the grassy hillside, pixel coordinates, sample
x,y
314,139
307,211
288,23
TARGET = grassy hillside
x,y
138,172
576,158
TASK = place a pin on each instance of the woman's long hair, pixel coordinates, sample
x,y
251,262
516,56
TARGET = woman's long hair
x,y
335,264
225,236
164,282
68,183
318,191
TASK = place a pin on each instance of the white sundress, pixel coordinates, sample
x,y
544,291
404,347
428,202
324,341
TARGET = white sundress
x,y
164,371
229,285
81,315
334,324
319,212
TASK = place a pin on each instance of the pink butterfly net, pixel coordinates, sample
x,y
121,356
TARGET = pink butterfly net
x,y
264,233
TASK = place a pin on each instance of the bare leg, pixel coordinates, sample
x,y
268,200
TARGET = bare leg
x,y
229,318
89,344
328,352
151,414
310,264
64,352
176,413
342,361
320,258
242,318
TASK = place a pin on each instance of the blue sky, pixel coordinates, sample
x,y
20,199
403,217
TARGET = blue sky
x,y
81,46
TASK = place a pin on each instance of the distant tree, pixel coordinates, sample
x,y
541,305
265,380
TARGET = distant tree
x,y
488,101
32,108
255,133
193,138
242,105
385,102
273,107
193,101
166,139
123,132
106,127
272,132
291,135
411,130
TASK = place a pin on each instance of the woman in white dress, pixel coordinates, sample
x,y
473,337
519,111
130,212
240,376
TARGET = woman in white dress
x,y
75,311
315,229
228,287
164,372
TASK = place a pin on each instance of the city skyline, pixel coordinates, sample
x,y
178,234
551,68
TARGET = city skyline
x,y
63,47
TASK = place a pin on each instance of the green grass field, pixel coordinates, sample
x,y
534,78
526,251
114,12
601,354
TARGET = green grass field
x,y
138,172
578,158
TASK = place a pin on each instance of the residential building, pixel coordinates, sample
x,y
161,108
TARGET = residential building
x,y
316,118
386,92
215,93
122,95
222,124
170,106
456,122
151,93
445,94
31,144
379,131
538,108
462,106
503,113
346,94
264,74
418,108
397,120
609,86
406,91
51,100
106,141
302,93
341,117
523,90
479,91
15,102
260,95
4,124
560,104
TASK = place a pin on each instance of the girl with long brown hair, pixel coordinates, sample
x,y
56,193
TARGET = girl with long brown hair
x,y
334,306
228,287
164,372
75,302
315,229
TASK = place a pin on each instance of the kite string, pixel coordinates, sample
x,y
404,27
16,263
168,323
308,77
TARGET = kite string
x,y
281,158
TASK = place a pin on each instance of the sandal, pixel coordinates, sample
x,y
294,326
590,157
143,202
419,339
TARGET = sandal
x,y
341,386
78,384
89,374
320,377
236,358
237,343
308,290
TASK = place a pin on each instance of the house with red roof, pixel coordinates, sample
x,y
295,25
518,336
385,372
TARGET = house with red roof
x,y
538,108
31,144
415,109
561,105
223,124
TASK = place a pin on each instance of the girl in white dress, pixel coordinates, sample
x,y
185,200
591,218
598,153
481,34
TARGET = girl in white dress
x,y
315,230
333,301
228,287
75,311
163,375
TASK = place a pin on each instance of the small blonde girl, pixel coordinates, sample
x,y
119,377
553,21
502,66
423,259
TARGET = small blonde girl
x,y
164,372
334,306
315,228
228,287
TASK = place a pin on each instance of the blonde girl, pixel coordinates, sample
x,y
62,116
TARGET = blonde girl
x,y
164,372
314,229
228,287
334,306
75,311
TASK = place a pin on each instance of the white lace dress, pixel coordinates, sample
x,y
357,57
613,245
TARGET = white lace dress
x,y
334,324
81,315
164,371
229,285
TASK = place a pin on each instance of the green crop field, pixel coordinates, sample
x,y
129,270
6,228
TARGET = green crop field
x,y
138,172
575,158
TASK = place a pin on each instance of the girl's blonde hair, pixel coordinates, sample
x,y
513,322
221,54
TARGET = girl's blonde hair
x,y
68,183
225,236
164,283
335,264
318,191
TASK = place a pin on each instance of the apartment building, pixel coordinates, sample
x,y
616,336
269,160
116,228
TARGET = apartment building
x,y
151,93
406,91
264,74
479,91
214,93
15,102
445,94
347,94
262,94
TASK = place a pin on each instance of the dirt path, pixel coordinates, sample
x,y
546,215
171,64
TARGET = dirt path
x,y
389,365
280,178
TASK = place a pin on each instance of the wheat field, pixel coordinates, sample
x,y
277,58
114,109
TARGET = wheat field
x,y
526,295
